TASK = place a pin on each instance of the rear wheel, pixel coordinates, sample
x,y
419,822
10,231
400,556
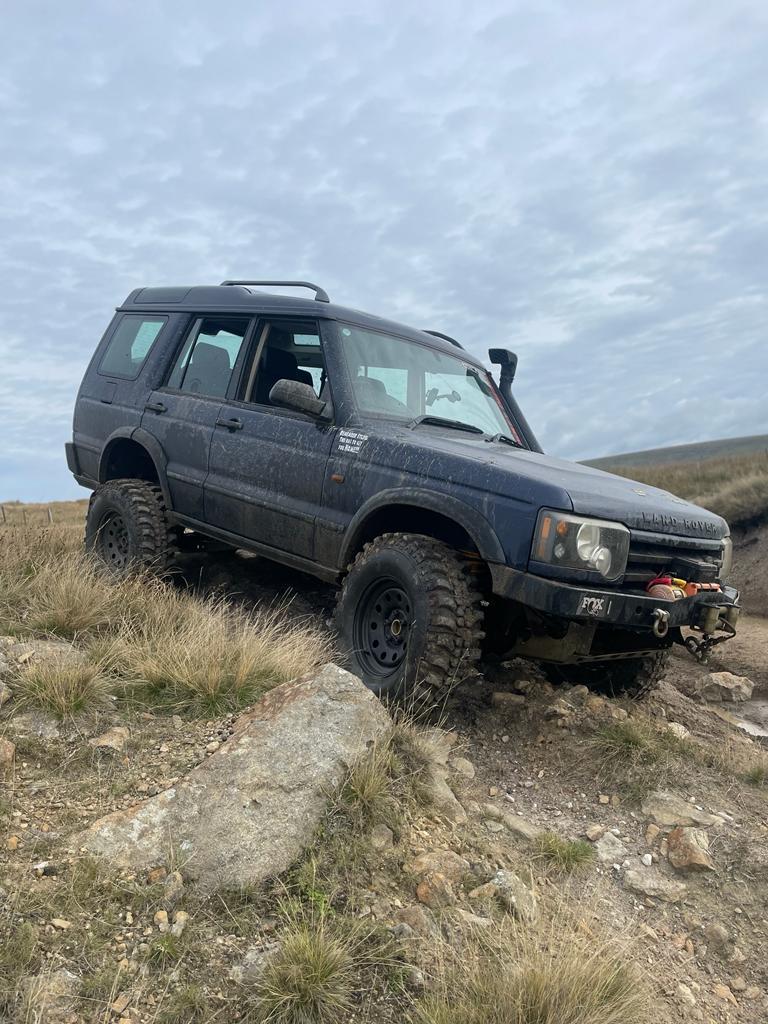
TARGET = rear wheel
x,y
127,527
633,677
408,617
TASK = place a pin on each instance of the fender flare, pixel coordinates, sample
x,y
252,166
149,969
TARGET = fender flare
x,y
473,522
150,445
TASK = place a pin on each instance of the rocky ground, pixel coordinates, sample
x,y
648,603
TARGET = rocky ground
x,y
648,821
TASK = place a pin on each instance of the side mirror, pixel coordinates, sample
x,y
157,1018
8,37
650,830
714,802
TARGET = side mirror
x,y
293,394
507,360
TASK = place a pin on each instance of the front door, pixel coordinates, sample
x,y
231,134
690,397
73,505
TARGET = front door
x,y
267,465
182,414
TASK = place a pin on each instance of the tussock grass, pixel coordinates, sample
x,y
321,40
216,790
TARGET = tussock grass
x,y
524,977
392,781
143,636
736,487
636,755
19,955
562,855
757,773
214,657
63,686
394,776
321,962
187,1005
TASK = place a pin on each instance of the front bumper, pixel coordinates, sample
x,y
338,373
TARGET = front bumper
x,y
628,609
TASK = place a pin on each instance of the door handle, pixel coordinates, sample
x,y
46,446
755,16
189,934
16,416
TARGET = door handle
x,y
157,407
233,424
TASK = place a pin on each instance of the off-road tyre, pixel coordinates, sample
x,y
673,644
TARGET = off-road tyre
x,y
630,677
427,587
128,529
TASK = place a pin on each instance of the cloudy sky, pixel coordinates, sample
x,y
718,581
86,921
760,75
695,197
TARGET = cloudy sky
x,y
583,182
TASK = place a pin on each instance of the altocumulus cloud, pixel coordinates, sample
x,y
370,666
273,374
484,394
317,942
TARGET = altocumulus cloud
x,y
585,182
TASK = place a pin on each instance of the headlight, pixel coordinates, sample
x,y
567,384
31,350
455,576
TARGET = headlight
x,y
579,545
727,563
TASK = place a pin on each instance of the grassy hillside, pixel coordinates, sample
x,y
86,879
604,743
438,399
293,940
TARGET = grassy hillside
x,y
726,448
735,487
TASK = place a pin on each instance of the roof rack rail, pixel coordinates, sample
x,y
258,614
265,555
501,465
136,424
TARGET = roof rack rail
x,y
320,294
445,337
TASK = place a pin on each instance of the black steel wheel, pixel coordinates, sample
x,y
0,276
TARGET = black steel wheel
x,y
408,617
113,543
382,625
128,527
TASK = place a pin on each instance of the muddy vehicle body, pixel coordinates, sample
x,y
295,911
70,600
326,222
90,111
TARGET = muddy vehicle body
x,y
388,460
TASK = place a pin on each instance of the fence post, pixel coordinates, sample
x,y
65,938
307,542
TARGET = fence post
x,y
50,514
2,512
23,516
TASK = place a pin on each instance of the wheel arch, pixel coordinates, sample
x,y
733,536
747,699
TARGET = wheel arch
x,y
412,511
134,454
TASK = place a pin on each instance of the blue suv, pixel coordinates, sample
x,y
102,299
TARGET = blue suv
x,y
388,460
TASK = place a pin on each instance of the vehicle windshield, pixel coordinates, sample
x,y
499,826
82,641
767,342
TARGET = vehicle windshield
x,y
400,379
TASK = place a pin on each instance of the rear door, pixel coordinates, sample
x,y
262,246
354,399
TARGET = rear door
x,y
267,465
182,414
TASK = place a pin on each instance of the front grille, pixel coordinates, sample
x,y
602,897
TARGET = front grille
x,y
655,554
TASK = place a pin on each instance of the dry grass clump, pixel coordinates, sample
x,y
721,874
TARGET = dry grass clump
x,y
637,756
19,955
522,977
320,965
395,775
145,635
562,855
207,655
64,686
736,487
390,782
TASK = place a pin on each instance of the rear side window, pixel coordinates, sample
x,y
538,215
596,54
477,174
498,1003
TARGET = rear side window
x,y
130,345
207,358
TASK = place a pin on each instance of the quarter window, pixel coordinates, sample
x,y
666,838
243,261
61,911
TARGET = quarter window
x,y
206,361
130,344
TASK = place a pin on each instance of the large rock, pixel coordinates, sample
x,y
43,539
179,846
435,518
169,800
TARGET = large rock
x,y
7,753
246,812
650,882
512,892
446,862
688,850
726,686
610,850
49,998
670,809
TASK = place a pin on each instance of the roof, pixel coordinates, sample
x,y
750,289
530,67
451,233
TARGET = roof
x,y
239,299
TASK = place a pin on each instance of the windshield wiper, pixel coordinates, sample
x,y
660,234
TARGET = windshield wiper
x,y
505,439
440,421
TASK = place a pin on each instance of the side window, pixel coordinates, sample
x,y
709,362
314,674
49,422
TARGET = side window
x,y
285,351
130,345
207,358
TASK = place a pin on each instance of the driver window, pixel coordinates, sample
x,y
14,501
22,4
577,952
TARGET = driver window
x,y
285,351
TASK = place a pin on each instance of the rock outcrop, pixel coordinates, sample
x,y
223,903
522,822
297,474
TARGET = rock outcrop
x,y
727,687
246,812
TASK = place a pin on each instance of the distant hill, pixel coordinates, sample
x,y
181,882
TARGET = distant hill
x,y
700,452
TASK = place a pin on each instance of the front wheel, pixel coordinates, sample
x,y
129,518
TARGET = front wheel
x,y
633,677
408,617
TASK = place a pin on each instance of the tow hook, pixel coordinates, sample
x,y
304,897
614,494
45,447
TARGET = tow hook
x,y
660,622
700,648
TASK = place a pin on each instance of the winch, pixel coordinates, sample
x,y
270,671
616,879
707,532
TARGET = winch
x,y
712,617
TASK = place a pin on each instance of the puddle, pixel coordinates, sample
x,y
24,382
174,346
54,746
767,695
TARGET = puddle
x,y
752,717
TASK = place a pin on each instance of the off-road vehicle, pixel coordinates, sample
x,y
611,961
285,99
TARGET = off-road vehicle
x,y
388,460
